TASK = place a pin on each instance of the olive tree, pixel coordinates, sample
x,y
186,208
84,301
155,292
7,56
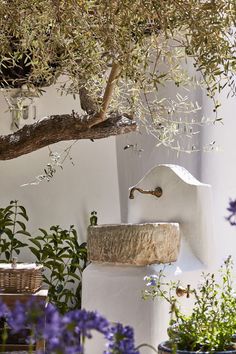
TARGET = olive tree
x,y
116,54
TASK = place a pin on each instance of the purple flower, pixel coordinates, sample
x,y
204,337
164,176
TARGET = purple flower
x,y
4,311
86,321
53,323
121,340
151,280
27,316
30,314
17,319
54,331
232,209
68,332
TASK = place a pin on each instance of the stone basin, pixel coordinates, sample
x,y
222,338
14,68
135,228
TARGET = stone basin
x,y
134,244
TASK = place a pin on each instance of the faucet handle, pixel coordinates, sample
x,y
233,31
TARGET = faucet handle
x,y
181,291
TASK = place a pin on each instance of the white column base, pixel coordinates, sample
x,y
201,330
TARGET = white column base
x,y
116,293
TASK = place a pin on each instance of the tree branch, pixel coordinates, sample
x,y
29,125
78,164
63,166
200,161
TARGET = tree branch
x,y
101,116
57,128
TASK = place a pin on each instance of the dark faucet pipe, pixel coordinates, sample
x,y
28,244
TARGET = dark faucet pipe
x,y
157,192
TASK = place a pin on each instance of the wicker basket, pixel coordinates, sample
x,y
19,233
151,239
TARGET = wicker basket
x,y
20,278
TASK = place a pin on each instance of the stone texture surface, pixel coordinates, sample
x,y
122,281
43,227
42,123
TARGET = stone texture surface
x,y
134,244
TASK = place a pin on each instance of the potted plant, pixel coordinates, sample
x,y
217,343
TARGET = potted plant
x,y
212,323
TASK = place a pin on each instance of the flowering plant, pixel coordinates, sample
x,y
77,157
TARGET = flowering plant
x,y
64,334
212,322
232,209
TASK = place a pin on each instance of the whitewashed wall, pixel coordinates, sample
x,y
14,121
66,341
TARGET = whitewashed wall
x,y
215,168
132,166
219,169
75,191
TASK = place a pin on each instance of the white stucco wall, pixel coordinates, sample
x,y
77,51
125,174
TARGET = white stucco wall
x,y
219,169
132,166
75,191
215,167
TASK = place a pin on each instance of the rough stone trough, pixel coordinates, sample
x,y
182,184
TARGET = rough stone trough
x,y
134,244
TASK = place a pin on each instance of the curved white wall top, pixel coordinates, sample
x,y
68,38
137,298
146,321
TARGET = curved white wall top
x,y
184,200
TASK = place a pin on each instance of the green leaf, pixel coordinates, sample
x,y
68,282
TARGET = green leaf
x,y
22,225
59,288
36,253
53,264
22,232
23,213
75,276
9,233
36,243
43,231
8,255
20,244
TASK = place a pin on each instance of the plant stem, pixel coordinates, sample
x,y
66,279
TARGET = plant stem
x,y
4,337
13,229
31,346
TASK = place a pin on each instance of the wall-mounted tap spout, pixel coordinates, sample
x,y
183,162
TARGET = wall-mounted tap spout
x,y
157,192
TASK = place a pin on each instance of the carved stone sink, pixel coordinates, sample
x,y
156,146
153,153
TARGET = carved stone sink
x,y
134,244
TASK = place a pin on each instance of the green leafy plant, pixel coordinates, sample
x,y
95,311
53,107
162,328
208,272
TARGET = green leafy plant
x,y
58,250
12,229
64,260
212,322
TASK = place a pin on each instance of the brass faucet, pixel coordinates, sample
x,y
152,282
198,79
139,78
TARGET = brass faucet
x,y
180,291
157,192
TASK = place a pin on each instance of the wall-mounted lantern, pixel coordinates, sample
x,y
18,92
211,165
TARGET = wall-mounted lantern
x,y
22,105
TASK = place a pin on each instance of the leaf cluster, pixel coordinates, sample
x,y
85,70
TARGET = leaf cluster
x,y
58,250
13,230
212,322
64,260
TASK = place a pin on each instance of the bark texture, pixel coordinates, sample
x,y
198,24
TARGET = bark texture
x,y
57,128
138,244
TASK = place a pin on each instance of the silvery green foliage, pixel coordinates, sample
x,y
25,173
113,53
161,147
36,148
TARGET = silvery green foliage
x,y
42,40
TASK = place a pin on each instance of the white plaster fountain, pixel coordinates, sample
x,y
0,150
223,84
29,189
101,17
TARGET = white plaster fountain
x,y
112,285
